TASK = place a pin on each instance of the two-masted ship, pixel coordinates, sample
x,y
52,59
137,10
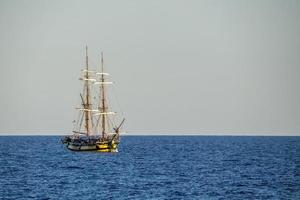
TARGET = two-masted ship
x,y
95,128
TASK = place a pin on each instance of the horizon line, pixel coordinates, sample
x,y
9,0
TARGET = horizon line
x,y
160,134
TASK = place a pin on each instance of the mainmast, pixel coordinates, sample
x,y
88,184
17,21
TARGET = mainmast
x,y
87,105
103,104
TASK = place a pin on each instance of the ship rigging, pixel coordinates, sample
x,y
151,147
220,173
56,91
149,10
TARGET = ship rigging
x,y
95,127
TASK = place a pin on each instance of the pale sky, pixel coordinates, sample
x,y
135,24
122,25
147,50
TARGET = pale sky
x,y
180,67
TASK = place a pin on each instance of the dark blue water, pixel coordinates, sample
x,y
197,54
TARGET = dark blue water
x,y
152,167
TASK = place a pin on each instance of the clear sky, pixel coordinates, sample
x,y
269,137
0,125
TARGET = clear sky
x,y
206,67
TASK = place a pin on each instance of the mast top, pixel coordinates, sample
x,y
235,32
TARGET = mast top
x,y
102,62
86,57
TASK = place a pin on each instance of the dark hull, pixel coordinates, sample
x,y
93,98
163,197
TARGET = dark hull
x,y
83,147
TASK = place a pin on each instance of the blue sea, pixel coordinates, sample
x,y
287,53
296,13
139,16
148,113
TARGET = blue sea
x,y
152,167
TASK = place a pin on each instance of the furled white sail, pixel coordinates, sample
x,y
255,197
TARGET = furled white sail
x,y
88,79
106,113
103,83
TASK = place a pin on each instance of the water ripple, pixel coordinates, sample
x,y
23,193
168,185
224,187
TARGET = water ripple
x,y
159,167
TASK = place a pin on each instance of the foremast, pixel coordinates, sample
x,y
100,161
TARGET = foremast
x,y
87,99
103,107
104,125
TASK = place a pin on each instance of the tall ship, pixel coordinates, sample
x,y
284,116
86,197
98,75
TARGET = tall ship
x,y
95,128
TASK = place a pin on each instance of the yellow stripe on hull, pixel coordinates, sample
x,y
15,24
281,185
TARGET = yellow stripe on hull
x,y
102,146
104,150
105,147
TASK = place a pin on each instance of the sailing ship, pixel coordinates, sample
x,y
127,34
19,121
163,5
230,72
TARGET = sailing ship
x,y
95,128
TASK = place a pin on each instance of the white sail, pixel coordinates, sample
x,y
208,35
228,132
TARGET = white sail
x,y
88,71
103,83
106,113
88,110
102,73
88,79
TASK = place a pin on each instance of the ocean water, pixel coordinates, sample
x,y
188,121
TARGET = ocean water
x,y
152,167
